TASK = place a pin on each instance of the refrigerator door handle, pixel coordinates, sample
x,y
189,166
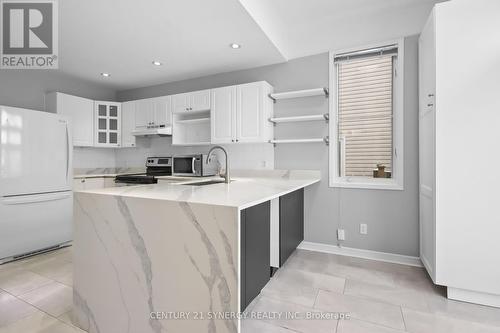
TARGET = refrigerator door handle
x,y
67,151
34,198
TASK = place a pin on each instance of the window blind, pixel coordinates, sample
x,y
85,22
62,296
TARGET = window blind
x,y
365,87
379,51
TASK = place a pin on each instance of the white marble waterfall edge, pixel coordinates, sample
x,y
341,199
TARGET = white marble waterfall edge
x,y
134,256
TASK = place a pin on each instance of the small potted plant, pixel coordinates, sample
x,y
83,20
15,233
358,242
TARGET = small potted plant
x,y
380,172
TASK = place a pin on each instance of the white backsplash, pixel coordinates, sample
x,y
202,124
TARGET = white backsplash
x,y
94,158
242,156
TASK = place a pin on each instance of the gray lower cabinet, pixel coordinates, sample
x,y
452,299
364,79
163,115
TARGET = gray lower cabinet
x,y
255,251
255,241
291,223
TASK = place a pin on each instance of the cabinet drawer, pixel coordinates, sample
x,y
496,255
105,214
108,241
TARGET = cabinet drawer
x,y
88,183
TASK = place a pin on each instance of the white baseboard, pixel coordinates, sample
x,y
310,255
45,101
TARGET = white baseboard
x,y
360,253
429,268
473,297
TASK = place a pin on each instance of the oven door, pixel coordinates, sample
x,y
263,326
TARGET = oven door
x,y
184,166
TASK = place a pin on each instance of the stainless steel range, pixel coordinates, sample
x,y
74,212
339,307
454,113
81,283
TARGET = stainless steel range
x,y
155,166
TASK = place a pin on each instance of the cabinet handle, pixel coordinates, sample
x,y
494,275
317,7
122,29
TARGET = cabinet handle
x,y
83,181
431,95
430,104
237,140
232,140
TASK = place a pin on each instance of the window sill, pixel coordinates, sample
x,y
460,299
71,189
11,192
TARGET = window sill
x,y
378,184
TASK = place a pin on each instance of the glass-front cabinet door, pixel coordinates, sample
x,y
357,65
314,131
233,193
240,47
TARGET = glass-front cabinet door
x,y
108,124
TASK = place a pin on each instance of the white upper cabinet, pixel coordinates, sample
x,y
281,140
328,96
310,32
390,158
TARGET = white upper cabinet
x,y
192,101
199,100
128,123
180,102
108,124
223,114
253,108
234,114
162,107
153,112
144,113
81,112
240,113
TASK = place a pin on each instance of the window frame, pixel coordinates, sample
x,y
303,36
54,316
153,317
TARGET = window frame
x,y
397,180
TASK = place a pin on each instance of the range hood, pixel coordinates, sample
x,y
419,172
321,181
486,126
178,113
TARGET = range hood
x,y
161,131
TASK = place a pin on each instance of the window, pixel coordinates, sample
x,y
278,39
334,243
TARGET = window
x,y
366,149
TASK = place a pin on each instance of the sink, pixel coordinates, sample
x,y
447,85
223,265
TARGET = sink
x,y
208,182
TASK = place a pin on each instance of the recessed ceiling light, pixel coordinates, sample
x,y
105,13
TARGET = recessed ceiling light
x,y
105,74
234,46
157,63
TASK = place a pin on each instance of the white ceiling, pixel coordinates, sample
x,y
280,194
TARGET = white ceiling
x,y
191,37
299,28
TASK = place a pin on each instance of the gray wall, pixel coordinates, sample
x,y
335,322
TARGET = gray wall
x,y
392,216
26,88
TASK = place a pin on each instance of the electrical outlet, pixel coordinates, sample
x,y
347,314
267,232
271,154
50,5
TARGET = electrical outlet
x,y
363,228
340,234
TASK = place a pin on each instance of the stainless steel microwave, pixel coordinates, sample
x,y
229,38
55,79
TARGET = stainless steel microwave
x,y
194,166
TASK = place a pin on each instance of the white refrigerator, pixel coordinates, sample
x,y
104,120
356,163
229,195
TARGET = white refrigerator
x,y
36,200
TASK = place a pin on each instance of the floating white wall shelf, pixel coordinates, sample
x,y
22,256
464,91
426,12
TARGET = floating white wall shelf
x,y
192,113
276,120
194,121
198,143
299,93
191,128
326,140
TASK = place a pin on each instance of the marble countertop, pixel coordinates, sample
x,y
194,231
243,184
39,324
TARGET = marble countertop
x,y
248,188
104,172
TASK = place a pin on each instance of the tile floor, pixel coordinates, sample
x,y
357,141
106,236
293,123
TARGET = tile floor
x,y
36,297
380,298
36,294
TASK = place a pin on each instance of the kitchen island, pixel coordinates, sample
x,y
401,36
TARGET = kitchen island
x,y
181,258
